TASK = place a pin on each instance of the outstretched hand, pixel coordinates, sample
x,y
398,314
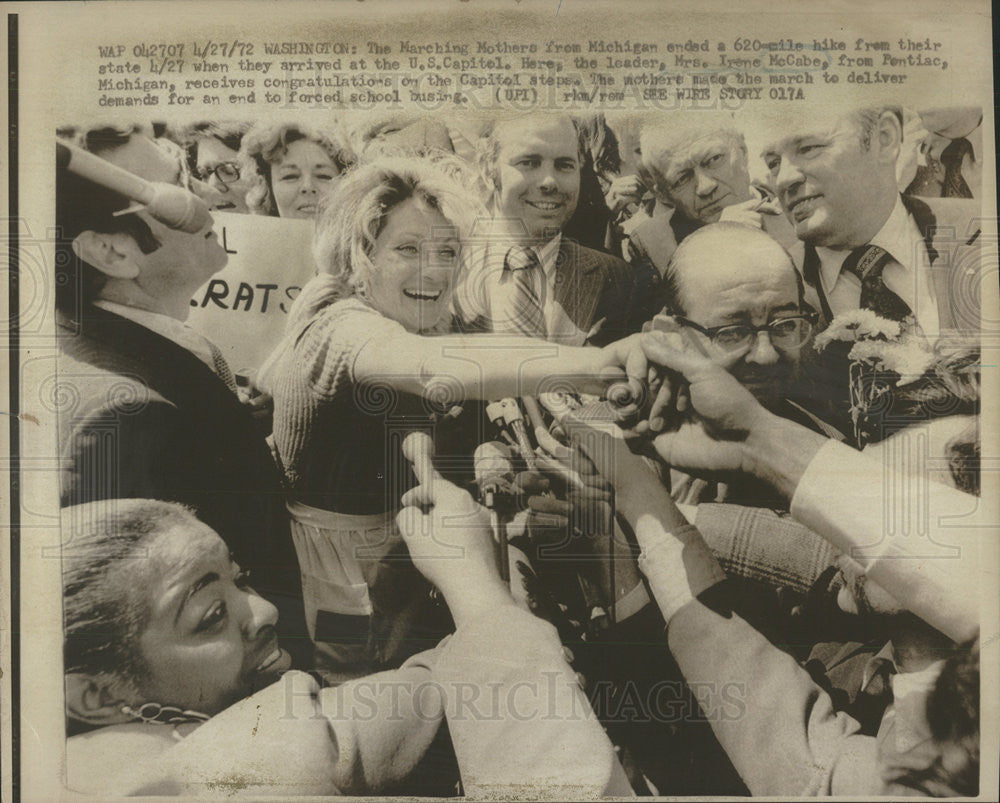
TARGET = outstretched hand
x,y
450,542
700,416
752,213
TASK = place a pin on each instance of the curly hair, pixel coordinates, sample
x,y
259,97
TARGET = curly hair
x,y
353,215
103,615
266,145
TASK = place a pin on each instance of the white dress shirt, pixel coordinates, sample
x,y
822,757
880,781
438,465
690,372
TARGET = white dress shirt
x,y
914,536
907,274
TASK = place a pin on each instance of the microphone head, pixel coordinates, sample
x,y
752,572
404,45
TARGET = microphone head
x,y
492,460
178,208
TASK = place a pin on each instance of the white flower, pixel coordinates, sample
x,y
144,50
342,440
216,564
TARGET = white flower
x,y
857,325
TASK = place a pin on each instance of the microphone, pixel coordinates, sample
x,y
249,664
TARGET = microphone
x,y
491,462
173,206
493,468
508,412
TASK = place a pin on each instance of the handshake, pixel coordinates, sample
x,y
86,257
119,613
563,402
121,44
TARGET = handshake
x,y
674,404
664,401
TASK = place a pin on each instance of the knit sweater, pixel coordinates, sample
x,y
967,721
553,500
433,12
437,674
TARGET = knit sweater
x,y
339,438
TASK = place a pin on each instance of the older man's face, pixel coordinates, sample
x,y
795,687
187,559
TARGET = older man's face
x,y
752,283
824,179
704,175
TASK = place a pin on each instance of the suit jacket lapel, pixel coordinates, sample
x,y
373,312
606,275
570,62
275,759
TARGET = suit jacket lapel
x,y
941,274
578,283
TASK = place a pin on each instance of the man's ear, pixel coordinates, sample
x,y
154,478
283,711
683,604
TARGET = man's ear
x,y
889,135
94,700
112,254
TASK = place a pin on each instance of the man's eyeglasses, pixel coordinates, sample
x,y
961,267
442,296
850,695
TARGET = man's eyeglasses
x,y
226,172
785,333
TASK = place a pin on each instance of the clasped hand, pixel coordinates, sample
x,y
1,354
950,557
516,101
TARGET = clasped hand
x,y
691,412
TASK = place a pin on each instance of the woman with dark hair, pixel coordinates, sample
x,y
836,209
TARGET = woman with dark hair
x,y
175,683
293,168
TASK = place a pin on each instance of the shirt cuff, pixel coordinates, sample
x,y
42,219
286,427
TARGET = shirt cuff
x,y
679,566
916,537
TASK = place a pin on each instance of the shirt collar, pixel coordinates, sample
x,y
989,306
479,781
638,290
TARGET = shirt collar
x,y
886,654
899,236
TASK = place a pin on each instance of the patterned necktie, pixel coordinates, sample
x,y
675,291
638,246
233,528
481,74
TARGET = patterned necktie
x,y
954,185
867,263
222,369
525,313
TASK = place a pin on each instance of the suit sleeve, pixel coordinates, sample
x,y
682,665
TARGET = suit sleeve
x,y
519,721
777,727
620,305
117,452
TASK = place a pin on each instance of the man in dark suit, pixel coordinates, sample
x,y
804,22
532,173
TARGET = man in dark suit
x,y
865,245
154,411
525,276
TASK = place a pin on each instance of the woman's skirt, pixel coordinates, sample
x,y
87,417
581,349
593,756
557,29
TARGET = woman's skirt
x,y
367,607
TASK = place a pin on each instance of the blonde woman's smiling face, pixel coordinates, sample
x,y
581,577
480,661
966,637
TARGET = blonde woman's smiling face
x,y
414,263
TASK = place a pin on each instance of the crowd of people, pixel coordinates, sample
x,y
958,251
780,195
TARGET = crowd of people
x,y
599,457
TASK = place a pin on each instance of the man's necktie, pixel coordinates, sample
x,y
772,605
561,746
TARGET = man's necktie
x,y
525,313
954,185
222,369
867,263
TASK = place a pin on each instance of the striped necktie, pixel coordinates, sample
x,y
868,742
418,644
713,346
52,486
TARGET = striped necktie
x,y
222,369
525,313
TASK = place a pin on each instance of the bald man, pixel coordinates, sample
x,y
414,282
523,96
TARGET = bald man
x,y
736,294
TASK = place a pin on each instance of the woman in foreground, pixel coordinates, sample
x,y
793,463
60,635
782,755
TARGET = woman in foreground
x,y
175,684
357,370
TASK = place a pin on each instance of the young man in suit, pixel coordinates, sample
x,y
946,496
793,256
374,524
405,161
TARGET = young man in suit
x,y
525,275
154,411
865,245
